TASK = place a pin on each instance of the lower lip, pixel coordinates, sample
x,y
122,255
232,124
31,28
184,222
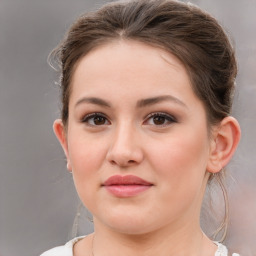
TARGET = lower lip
x,y
126,190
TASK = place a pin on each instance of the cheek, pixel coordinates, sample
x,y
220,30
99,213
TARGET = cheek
x,y
86,158
181,161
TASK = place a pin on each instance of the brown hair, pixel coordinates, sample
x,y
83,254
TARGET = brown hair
x,y
184,30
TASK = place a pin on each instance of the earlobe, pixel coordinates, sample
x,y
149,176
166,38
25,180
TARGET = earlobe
x,y
60,133
224,143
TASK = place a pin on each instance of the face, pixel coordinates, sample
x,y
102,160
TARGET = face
x,y
137,139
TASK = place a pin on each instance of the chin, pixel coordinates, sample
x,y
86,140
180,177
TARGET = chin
x,y
132,230
130,224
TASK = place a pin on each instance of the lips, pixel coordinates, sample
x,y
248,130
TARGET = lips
x,y
126,186
125,180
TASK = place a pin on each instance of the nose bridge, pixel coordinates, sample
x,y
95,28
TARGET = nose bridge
x,y
125,148
124,135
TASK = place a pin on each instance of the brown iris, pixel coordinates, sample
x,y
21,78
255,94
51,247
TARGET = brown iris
x,y
99,120
159,120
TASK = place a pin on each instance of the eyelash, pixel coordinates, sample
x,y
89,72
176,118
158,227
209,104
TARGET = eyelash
x,y
168,119
92,116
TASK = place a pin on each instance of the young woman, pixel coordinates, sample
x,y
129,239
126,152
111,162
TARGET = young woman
x,y
147,92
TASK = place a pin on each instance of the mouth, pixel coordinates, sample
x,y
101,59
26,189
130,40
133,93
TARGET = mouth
x,y
126,186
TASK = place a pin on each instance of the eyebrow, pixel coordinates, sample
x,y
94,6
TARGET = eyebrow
x,y
93,100
140,104
159,99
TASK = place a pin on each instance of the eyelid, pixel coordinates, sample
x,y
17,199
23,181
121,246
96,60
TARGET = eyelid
x,y
160,113
169,118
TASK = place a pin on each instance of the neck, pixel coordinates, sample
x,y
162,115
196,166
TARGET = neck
x,y
186,241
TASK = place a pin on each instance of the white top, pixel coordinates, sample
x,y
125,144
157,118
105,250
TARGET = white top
x,y
67,249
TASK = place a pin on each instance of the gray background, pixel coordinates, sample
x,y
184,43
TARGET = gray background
x,y
38,202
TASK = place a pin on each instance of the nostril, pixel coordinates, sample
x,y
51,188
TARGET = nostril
x,y
112,162
122,162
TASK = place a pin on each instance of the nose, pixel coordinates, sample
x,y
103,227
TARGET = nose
x,y
125,148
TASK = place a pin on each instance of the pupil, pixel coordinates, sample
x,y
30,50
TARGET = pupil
x,y
99,120
159,120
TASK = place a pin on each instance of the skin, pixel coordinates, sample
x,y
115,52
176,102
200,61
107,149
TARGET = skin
x,y
172,150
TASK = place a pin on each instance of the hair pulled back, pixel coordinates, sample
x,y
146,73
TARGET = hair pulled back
x,y
183,30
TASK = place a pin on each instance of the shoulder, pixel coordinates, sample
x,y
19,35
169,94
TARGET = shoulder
x,y
60,250
65,250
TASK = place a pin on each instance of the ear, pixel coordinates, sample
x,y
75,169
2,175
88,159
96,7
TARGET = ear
x,y
225,140
60,133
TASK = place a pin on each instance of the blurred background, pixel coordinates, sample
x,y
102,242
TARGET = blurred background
x,y
38,202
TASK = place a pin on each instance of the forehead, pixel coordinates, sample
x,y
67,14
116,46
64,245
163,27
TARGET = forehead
x,y
130,66
143,55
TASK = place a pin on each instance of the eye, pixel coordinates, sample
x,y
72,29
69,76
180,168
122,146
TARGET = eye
x,y
95,119
160,119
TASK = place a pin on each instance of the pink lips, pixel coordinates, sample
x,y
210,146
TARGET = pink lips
x,y
126,186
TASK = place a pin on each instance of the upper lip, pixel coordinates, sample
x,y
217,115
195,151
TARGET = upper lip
x,y
125,180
